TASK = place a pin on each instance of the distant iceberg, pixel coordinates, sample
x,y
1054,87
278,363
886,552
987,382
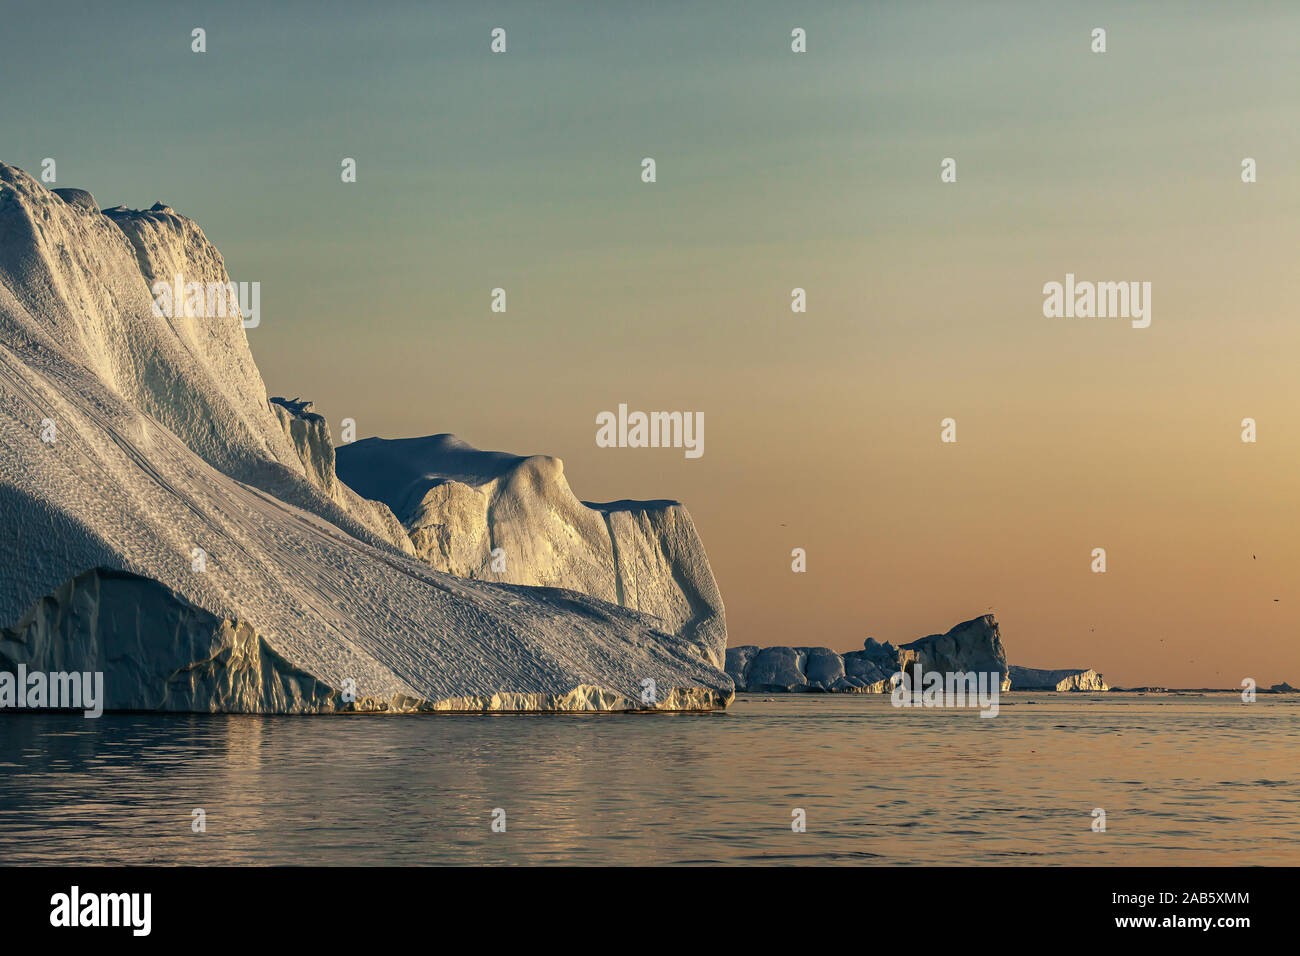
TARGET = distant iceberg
x,y
972,646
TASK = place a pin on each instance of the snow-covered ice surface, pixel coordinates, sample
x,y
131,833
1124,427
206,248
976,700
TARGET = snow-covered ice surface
x,y
165,442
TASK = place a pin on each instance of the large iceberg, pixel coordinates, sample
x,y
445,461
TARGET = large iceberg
x,y
162,521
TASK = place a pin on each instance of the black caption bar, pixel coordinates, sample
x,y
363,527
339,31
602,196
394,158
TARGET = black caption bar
x,y
138,906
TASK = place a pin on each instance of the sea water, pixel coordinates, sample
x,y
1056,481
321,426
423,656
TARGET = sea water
x,y
1181,779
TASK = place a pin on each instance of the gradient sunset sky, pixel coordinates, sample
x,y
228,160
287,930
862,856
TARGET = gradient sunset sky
x,y
775,170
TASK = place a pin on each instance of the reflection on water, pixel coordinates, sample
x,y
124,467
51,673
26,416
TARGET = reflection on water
x,y
1183,780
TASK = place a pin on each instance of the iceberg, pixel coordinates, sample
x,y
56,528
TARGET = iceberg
x,y
164,522
972,646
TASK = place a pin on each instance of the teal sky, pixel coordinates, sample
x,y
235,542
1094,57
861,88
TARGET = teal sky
x,y
775,170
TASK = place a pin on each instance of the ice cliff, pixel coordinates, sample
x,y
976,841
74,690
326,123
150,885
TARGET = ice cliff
x,y
501,517
1069,679
162,521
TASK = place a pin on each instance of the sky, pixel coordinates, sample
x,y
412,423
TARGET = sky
x,y
775,170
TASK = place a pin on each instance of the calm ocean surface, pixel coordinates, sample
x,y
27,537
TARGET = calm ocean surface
x,y
1183,780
